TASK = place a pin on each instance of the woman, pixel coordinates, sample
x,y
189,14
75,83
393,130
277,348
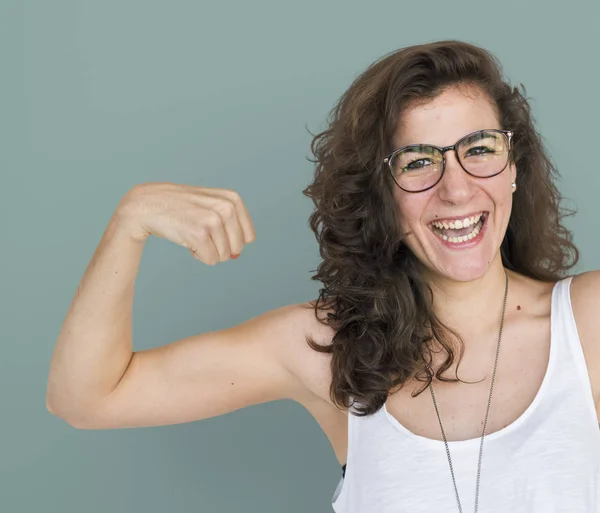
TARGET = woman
x,y
440,230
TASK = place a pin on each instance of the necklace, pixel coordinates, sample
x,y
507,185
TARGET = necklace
x,y
486,413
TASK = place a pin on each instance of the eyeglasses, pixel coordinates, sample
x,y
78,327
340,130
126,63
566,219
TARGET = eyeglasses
x,y
419,167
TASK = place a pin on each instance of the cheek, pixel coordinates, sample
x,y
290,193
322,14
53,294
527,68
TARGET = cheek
x,y
507,206
502,198
502,191
410,208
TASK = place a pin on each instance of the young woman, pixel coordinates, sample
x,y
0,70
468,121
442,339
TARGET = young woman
x,y
441,234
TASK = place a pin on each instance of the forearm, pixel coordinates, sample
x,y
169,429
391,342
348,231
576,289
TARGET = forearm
x,y
94,346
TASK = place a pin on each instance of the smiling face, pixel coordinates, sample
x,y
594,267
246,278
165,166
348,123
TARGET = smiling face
x,y
460,251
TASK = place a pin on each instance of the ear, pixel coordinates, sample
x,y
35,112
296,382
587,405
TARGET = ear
x,y
513,173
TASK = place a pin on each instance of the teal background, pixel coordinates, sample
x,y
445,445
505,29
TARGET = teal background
x,y
96,96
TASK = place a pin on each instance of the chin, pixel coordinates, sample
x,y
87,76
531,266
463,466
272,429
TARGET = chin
x,y
459,260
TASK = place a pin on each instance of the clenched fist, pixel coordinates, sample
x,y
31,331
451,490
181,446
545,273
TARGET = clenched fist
x,y
213,224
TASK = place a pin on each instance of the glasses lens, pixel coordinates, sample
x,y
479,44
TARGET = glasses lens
x,y
417,167
484,153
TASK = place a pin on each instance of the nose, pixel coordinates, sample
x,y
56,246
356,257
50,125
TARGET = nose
x,y
456,186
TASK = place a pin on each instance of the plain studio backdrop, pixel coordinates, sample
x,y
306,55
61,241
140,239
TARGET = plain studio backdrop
x,y
98,96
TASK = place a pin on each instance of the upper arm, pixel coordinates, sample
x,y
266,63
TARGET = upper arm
x,y
212,373
585,298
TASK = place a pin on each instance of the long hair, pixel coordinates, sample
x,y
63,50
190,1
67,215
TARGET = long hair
x,y
373,293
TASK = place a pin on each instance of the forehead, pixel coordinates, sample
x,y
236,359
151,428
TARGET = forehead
x,y
442,121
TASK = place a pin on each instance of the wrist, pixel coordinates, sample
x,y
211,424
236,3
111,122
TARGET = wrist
x,y
127,223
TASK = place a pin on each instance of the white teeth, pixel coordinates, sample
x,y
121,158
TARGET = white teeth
x,y
470,221
458,224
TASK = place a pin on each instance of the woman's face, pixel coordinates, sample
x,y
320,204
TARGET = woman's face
x,y
442,122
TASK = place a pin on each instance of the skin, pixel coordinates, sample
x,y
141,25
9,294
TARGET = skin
x,y
442,122
468,282
97,380
464,280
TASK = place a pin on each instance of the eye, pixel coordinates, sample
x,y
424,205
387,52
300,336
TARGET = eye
x,y
416,165
479,150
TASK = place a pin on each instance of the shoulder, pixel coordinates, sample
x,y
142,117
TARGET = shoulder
x,y
299,321
585,301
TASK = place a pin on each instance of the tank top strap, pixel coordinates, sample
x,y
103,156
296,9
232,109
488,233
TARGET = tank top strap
x,y
564,329
566,337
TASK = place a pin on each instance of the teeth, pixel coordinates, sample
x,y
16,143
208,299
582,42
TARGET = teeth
x,y
458,224
471,221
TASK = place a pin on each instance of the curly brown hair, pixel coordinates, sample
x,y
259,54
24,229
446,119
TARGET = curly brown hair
x,y
374,292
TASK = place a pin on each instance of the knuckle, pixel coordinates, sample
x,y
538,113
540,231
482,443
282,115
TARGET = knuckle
x,y
226,209
213,220
203,233
233,196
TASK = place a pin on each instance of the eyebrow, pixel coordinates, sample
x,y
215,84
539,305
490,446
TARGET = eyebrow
x,y
477,136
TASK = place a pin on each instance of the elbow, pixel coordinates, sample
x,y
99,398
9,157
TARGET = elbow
x,y
52,408
72,420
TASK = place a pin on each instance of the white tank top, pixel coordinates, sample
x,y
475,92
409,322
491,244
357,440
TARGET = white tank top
x,y
547,461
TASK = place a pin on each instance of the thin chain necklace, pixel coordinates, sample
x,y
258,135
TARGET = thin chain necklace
x,y
486,413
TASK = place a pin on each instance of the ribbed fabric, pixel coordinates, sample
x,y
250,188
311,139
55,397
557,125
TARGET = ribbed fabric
x,y
547,461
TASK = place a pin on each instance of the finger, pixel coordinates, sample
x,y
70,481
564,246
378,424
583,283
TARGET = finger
x,y
218,234
243,215
231,223
200,242
205,253
245,220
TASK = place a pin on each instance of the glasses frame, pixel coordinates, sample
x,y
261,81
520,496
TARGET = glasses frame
x,y
508,135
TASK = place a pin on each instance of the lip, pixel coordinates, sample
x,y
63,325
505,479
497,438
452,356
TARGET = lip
x,y
468,243
457,218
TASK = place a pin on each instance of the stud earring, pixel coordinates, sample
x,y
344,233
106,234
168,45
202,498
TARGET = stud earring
x,y
514,185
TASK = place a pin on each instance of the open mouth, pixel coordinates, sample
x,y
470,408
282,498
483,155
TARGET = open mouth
x,y
459,231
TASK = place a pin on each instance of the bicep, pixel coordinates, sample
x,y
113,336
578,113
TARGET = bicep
x,y
205,375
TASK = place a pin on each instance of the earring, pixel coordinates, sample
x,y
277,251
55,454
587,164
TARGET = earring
x,y
514,185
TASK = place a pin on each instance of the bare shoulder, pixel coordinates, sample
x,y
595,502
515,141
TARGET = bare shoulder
x,y
586,287
585,300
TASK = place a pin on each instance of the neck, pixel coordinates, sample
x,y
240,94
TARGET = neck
x,y
471,307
